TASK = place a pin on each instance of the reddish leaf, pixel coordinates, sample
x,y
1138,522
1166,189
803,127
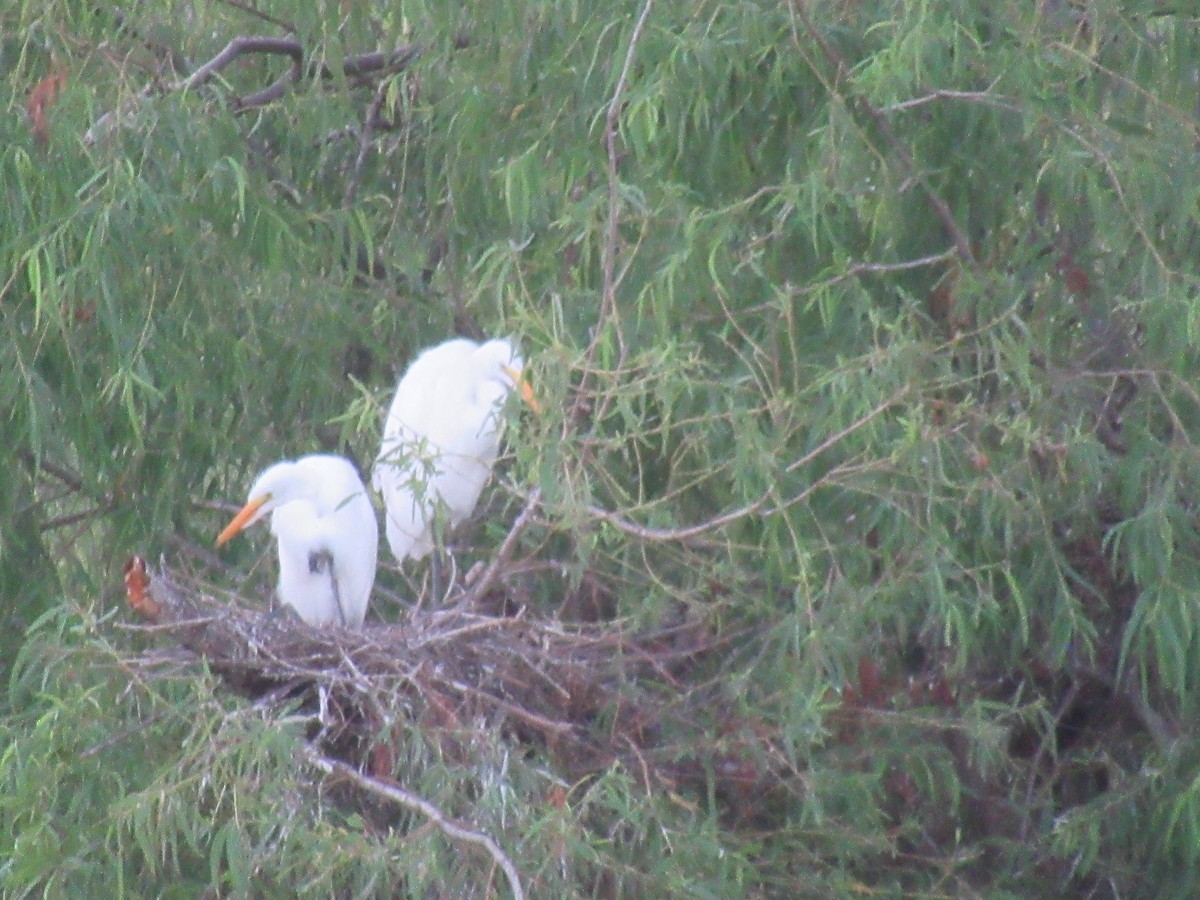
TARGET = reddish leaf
x,y
137,580
41,98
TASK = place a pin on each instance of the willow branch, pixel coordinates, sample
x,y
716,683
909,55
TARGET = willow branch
x,y
691,531
962,246
352,67
409,800
608,261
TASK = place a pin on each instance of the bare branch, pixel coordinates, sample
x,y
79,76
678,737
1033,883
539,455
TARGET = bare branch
x,y
481,585
447,826
365,135
986,98
258,13
238,47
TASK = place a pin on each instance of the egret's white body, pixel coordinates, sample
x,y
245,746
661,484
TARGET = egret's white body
x,y
442,436
326,533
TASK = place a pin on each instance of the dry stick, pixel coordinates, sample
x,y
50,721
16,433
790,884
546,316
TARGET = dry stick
x,y
962,246
481,585
408,800
608,298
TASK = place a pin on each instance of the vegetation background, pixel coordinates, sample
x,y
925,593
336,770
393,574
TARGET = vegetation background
x,y
867,337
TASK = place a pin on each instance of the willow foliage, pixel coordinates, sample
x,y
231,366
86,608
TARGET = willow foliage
x,y
868,341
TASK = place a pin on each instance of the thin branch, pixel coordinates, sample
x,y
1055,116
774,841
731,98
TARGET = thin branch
x,y
352,67
365,135
910,170
481,585
986,98
74,518
69,477
407,799
258,13
608,298
690,531
1047,743
376,61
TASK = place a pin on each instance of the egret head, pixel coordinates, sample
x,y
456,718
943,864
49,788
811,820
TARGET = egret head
x,y
499,360
281,483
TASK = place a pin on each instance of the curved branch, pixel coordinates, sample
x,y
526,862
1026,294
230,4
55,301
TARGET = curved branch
x,y
908,165
352,67
409,800
688,532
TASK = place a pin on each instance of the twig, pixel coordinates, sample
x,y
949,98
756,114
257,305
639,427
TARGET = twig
x,y
686,532
986,98
409,800
1044,746
365,135
73,518
481,585
608,299
67,476
266,17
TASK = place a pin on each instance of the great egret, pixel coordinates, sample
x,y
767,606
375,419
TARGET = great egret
x,y
326,532
441,437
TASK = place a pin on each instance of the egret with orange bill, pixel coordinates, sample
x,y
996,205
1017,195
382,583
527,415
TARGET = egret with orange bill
x,y
326,533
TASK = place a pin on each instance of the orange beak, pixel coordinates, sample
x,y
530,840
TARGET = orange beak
x,y
526,388
244,516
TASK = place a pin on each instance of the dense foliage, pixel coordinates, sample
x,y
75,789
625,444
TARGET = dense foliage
x,y
865,335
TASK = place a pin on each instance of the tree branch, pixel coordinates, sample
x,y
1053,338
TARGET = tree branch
x,y
687,532
910,170
365,135
608,298
481,585
411,801
352,67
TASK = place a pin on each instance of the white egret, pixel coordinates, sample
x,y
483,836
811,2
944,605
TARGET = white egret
x,y
326,533
441,437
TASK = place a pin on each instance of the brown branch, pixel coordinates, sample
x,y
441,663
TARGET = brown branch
x,y
352,67
908,166
237,48
485,581
376,61
365,135
74,518
396,794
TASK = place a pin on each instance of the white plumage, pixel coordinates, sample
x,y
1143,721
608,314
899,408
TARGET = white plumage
x,y
326,533
441,437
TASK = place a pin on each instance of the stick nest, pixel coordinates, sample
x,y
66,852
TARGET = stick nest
x,y
588,696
